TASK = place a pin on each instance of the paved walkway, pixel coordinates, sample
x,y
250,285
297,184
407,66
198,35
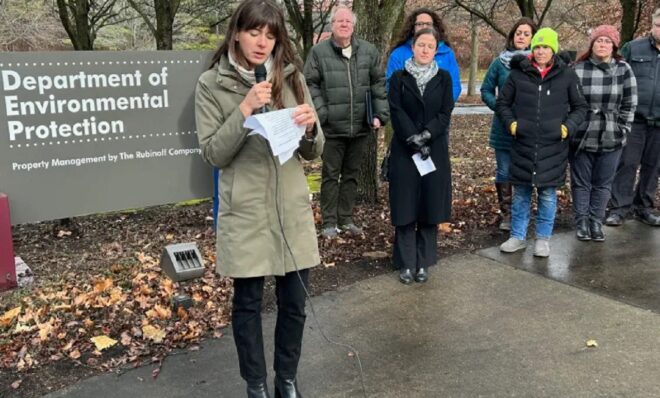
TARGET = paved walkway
x,y
479,327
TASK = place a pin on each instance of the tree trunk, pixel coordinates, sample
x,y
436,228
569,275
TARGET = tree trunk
x,y
628,19
164,24
74,15
474,58
376,20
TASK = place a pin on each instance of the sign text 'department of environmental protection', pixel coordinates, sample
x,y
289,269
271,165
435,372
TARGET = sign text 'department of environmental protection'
x,y
88,132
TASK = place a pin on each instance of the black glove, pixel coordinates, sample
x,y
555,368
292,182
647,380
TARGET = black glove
x,y
425,152
417,141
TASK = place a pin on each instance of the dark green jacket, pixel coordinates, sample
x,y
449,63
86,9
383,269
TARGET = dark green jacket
x,y
338,87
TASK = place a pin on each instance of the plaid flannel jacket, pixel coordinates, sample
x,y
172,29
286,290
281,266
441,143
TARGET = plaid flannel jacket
x,y
611,92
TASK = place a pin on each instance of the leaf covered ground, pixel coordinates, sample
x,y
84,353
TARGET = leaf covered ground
x,y
100,301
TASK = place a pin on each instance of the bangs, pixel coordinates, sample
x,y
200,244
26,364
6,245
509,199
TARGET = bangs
x,y
265,16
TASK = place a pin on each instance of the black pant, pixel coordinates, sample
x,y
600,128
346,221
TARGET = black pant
x,y
342,158
415,245
592,174
246,324
643,146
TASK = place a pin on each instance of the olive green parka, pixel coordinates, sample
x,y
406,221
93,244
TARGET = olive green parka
x,y
253,185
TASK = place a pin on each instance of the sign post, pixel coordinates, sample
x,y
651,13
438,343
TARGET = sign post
x,y
7,265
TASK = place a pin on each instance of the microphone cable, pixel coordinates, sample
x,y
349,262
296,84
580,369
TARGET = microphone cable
x,y
302,283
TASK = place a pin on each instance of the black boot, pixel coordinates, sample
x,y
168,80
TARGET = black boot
x,y
582,229
405,276
286,388
257,390
504,200
422,275
596,229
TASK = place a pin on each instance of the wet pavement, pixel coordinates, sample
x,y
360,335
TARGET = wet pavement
x,y
478,327
626,267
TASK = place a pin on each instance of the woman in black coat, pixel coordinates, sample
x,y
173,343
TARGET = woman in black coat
x,y
421,103
540,105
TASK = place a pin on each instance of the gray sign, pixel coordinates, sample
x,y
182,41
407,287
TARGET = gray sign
x,y
87,132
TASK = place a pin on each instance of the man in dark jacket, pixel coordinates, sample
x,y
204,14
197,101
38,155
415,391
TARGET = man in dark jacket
x,y
340,72
643,142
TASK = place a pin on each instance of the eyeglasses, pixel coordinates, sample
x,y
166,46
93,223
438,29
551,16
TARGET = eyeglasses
x,y
423,24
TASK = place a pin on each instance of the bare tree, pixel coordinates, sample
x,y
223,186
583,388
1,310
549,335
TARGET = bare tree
x,y
160,16
630,18
486,10
376,22
308,21
28,27
82,19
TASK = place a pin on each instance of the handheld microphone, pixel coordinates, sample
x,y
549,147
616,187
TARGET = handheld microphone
x,y
260,76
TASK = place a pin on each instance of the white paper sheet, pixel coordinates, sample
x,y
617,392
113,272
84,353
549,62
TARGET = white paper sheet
x,y
423,166
279,129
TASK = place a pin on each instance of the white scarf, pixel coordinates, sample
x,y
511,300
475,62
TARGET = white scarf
x,y
248,75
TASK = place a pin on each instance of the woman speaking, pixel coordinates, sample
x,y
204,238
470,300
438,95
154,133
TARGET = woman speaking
x,y
265,224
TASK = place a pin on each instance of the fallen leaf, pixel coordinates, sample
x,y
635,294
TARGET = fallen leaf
x,y
102,342
126,339
7,318
592,343
16,384
75,354
153,333
103,285
445,228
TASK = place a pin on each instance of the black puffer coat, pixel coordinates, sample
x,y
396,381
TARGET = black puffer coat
x,y
540,106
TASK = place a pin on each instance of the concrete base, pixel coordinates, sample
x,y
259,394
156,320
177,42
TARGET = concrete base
x,y
477,328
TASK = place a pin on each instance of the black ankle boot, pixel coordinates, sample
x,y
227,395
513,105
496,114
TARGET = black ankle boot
x,y
582,229
257,390
596,229
422,275
405,276
286,388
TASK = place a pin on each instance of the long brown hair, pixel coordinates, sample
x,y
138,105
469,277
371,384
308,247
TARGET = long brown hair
x,y
408,28
512,32
587,54
255,14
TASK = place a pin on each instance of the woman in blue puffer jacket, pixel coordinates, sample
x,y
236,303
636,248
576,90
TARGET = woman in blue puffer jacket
x,y
517,42
423,18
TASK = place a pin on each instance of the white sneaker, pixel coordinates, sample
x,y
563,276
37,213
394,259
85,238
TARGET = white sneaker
x,y
542,248
513,245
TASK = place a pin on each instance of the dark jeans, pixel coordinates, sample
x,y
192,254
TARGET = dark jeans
x,y
415,246
246,324
642,147
342,158
592,174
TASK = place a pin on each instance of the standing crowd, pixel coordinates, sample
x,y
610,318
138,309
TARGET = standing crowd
x,y
598,113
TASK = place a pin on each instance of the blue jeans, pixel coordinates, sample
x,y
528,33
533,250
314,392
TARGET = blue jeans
x,y
545,215
503,160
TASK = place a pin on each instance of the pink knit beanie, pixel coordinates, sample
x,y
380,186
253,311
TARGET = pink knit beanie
x,y
608,31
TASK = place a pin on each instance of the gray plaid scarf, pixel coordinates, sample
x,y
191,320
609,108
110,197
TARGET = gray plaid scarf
x,y
422,73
